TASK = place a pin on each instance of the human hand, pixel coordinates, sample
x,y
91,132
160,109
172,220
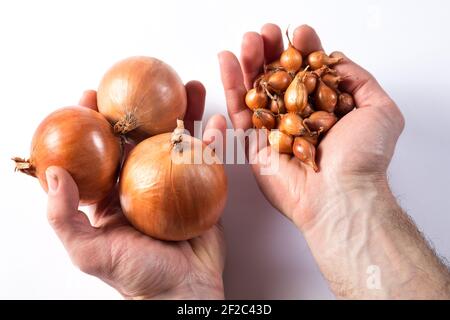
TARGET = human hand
x,y
355,152
363,242
105,245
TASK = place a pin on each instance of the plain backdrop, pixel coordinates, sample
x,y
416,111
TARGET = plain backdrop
x,y
50,51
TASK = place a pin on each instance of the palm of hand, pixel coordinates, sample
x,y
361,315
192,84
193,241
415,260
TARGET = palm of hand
x,y
138,265
361,143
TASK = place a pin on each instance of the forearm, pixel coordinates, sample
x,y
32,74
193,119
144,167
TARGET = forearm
x,y
367,247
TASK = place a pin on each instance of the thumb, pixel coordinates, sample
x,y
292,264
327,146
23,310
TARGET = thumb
x,y
62,206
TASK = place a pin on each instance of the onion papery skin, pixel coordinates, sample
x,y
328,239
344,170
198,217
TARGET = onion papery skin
x,y
82,142
144,92
169,200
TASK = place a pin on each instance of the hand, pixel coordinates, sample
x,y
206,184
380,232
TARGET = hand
x,y
358,148
363,242
139,267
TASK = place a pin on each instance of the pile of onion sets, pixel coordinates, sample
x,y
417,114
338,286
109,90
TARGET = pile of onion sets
x,y
297,98
140,100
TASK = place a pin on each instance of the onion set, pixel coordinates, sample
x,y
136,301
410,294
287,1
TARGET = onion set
x,y
301,95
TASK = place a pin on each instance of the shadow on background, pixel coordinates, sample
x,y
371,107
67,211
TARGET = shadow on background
x,y
267,258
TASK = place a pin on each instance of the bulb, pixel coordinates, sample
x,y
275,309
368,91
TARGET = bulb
x,y
305,152
256,98
291,59
277,105
263,119
345,104
325,97
279,81
307,111
296,95
310,82
292,124
319,59
320,121
331,80
280,142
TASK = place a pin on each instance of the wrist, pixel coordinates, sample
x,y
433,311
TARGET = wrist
x,y
193,290
339,196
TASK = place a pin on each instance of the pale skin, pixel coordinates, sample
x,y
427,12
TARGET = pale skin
x,y
363,242
102,243
346,212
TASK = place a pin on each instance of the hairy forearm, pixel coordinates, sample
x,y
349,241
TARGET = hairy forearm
x,y
367,247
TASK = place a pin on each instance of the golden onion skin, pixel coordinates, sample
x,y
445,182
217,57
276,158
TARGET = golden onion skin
x,y
147,91
169,200
81,141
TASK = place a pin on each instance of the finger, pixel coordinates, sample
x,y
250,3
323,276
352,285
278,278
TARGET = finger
x,y
359,82
215,129
215,134
252,57
306,40
72,226
89,100
196,94
233,84
273,42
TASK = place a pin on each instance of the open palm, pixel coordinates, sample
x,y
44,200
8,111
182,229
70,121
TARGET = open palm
x,y
361,143
107,246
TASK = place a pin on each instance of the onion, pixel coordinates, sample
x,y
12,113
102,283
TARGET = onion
x,y
142,96
81,141
169,200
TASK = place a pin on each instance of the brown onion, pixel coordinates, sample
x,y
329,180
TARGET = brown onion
x,y
305,152
277,105
310,82
166,198
319,59
296,95
345,104
312,137
292,124
280,141
325,97
263,119
332,80
279,81
81,141
291,59
256,98
274,65
320,121
307,111
142,96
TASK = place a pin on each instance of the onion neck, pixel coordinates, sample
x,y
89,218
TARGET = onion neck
x,y
24,166
126,124
177,135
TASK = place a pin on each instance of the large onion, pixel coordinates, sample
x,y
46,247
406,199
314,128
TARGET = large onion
x,y
142,96
81,141
169,200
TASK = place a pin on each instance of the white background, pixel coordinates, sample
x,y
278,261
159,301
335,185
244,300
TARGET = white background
x,y
50,51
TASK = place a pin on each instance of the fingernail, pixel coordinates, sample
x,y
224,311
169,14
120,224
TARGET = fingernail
x,y
52,180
